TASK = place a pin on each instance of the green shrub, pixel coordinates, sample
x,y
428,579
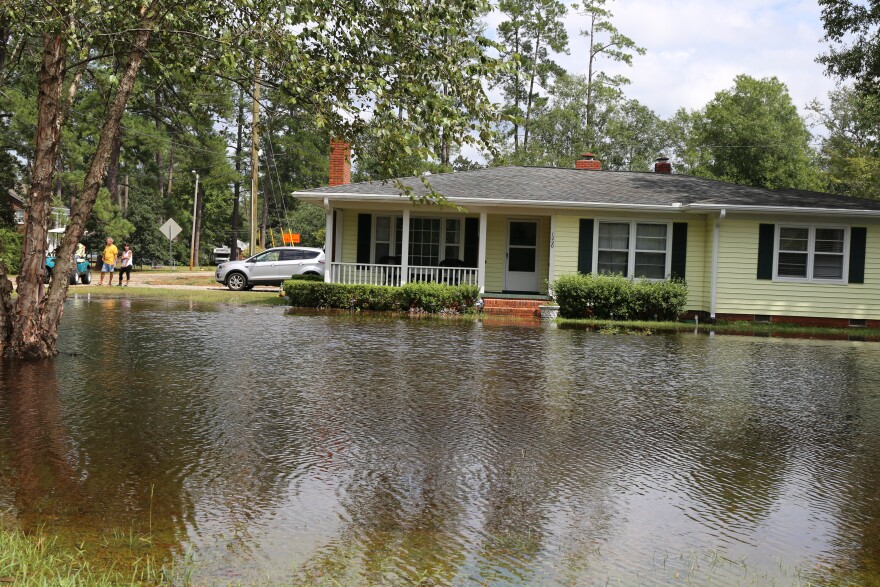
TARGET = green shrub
x,y
306,277
10,249
615,296
413,297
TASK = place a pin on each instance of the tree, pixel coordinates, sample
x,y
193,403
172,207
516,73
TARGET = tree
x,y
344,63
854,29
851,149
752,134
605,41
534,29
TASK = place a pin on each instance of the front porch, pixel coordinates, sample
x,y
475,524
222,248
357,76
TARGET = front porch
x,y
503,252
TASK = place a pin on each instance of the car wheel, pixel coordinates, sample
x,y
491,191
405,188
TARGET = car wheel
x,y
236,281
73,278
86,278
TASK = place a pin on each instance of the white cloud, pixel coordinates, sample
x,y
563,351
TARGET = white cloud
x,y
696,48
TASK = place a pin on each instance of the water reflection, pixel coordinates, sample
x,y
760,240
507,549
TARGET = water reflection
x,y
366,451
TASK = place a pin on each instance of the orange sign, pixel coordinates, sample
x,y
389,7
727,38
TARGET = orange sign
x,y
291,238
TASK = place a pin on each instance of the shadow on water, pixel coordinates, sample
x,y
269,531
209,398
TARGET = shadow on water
x,y
360,450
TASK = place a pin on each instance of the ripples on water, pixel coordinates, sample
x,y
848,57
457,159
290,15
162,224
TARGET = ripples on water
x,y
310,448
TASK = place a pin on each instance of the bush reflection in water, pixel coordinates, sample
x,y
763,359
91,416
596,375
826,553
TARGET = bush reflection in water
x,y
365,450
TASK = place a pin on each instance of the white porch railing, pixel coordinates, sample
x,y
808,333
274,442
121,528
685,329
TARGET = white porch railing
x,y
374,274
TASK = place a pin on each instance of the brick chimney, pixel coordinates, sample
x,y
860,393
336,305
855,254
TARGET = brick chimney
x,y
588,161
340,162
662,165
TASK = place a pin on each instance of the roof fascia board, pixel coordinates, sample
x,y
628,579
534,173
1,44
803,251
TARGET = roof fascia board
x,y
785,209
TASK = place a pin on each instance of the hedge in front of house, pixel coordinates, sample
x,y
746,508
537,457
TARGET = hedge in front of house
x,y
616,297
412,297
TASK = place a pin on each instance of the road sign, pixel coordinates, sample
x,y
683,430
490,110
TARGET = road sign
x,y
170,229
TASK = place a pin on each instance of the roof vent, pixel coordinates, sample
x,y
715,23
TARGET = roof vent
x,y
662,165
588,161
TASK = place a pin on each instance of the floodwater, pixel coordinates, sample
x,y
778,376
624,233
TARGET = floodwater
x,y
258,446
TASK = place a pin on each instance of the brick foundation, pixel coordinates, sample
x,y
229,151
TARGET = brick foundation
x,y
816,321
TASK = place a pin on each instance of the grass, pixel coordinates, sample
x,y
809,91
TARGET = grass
x,y
37,560
215,296
752,328
182,280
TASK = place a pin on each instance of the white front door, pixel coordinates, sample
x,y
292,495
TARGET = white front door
x,y
522,256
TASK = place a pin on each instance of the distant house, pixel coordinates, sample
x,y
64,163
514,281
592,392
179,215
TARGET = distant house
x,y
746,253
18,208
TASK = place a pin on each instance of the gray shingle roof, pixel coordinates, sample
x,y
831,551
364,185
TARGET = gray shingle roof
x,y
554,185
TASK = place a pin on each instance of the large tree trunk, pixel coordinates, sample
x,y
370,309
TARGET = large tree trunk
x,y
37,317
24,338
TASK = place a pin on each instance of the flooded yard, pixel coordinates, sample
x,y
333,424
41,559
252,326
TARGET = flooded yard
x,y
255,445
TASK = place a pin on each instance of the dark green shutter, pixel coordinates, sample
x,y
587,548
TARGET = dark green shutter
x,y
766,238
471,242
858,237
679,249
365,230
585,246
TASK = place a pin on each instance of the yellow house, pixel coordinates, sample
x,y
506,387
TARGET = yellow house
x,y
746,253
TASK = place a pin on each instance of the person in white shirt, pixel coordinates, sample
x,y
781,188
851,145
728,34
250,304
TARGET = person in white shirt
x,y
127,260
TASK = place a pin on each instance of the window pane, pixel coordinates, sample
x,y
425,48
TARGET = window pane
x,y
521,259
651,237
451,252
651,265
383,228
828,267
613,236
792,265
613,262
829,240
382,253
524,234
453,231
310,254
291,255
793,238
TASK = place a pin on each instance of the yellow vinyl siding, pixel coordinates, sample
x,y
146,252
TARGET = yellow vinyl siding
x,y
350,235
565,256
496,251
741,292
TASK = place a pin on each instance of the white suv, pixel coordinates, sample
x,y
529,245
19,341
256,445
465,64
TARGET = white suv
x,y
271,267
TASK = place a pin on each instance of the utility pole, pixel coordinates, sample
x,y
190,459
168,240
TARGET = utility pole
x,y
255,157
192,242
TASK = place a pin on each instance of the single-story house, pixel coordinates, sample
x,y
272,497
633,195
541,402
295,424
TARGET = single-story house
x,y
746,253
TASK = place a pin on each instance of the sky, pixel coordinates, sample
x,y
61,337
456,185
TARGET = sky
x,y
696,47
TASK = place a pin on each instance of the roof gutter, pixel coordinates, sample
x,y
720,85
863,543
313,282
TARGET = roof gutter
x,y
785,209
396,198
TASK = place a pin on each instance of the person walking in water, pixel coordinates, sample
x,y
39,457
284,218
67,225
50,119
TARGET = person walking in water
x,y
109,260
127,262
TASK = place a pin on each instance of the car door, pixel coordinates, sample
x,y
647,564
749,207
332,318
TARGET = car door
x,y
263,267
289,263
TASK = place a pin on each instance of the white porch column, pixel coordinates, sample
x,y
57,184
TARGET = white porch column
x,y
481,259
329,241
552,260
404,249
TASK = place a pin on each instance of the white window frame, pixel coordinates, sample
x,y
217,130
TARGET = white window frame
x,y
397,245
811,252
631,259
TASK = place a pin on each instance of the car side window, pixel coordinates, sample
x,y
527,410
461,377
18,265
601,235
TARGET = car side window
x,y
267,257
310,254
291,255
